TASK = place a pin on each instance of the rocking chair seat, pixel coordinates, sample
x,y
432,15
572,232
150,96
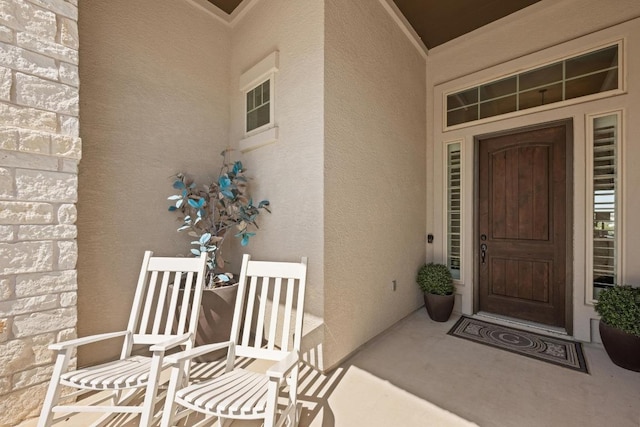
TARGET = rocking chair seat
x,y
120,374
239,393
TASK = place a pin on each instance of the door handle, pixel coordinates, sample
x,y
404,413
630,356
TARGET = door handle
x,y
483,252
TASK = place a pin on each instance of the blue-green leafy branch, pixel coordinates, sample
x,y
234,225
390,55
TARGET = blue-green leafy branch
x,y
213,211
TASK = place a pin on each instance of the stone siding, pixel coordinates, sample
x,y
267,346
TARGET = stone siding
x,y
39,153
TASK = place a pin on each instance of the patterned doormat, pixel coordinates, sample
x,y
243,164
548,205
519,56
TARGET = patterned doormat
x,y
549,349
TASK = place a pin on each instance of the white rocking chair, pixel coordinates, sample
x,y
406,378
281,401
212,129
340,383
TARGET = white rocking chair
x,y
162,317
268,333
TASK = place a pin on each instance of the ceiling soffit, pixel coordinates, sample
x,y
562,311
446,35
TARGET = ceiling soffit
x,y
228,6
438,21
435,21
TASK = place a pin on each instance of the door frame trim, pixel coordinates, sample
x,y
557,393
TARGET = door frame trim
x,y
568,124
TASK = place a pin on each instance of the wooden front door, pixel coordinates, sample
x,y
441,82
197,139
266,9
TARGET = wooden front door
x,y
522,224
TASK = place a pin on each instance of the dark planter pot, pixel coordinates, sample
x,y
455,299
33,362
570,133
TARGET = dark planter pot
x,y
439,307
215,319
216,316
622,348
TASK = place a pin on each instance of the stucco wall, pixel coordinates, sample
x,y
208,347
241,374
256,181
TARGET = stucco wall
x,y
288,172
374,174
539,34
155,101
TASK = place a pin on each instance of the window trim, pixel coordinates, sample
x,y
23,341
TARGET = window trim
x,y
589,209
263,71
622,86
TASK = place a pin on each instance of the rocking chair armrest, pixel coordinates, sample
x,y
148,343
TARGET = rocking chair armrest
x,y
170,343
284,366
196,351
65,345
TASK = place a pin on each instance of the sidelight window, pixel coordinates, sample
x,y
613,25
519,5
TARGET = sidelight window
x,y
454,199
605,224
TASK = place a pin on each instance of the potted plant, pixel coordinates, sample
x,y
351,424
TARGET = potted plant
x,y
210,213
437,284
619,310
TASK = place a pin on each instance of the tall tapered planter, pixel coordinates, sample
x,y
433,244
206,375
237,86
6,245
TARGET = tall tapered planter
x,y
216,316
215,319
439,307
623,348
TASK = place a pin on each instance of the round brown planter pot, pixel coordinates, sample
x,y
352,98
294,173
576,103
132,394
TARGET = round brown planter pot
x,y
439,307
622,348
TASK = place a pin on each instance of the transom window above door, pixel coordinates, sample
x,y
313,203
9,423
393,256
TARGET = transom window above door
x,y
591,73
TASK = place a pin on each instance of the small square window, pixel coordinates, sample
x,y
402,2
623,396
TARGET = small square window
x,y
258,106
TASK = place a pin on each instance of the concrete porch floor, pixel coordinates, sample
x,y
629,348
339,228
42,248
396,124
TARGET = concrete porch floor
x,y
415,374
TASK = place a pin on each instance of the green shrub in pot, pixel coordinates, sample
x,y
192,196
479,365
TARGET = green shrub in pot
x,y
435,279
619,307
437,284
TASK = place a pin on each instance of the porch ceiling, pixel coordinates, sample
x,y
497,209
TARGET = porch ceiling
x,y
227,6
437,21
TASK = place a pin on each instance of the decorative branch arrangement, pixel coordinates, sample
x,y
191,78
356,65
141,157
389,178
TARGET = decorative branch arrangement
x,y
212,211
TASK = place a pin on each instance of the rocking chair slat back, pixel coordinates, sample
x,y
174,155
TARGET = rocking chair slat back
x,y
186,307
263,307
277,288
268,321
160,305
148,302
173,300
246,330
287,320
168,300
